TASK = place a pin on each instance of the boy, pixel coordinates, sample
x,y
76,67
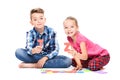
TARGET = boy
x,y
41,45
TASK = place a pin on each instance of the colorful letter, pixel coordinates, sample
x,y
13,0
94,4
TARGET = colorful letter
x,y
67,46
40,41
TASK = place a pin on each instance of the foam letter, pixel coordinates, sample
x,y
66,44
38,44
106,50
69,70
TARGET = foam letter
x,y
67,46
40,41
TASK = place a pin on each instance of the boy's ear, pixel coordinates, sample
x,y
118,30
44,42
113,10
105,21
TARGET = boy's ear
x,y
31,23
45,19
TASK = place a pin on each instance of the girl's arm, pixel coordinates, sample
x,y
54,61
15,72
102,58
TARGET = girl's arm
x,y
83,55
79,56
79,65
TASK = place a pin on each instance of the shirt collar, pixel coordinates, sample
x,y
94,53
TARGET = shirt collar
x,y
45,30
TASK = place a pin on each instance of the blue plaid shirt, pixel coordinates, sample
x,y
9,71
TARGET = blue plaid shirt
x,y
50,44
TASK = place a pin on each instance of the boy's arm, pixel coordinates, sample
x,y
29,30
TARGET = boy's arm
x,y
29,42
54,52
54,47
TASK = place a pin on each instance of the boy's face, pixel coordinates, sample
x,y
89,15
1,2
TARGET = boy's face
x,y
70,27
38,20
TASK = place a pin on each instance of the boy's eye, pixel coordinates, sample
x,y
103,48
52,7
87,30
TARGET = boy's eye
x,y
65,27
41,18
35,19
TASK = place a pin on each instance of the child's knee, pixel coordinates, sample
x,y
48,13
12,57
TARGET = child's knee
x,y
18,52
67,62
94,66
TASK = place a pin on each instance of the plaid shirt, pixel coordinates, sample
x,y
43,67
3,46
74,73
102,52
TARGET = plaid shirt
x,y
50,44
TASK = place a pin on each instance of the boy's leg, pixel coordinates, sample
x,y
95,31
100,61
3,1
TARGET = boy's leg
x,y
27,65
22,55
58,62
29,61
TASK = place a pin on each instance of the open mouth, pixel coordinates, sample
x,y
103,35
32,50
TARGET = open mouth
x,y
70,32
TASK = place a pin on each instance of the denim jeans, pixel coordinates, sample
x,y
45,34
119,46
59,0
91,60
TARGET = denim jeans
x,y
59,61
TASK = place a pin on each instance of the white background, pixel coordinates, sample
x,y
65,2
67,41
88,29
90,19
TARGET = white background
x,y
99,20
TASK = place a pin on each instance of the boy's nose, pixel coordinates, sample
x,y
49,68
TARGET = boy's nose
x,y
39,20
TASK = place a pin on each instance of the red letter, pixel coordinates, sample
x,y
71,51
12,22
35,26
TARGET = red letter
x,y
40,41
67,46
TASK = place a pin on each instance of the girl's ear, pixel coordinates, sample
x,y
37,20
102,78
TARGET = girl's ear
x,y
78,28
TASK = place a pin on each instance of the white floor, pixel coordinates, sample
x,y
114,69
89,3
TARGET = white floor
x,y
14,73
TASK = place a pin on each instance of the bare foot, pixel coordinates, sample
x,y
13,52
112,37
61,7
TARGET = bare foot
x,y
102,68
27,65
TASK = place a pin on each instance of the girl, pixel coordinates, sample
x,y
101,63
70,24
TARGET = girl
x,y
86,54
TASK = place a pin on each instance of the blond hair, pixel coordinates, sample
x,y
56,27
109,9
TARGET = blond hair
x,y
72,18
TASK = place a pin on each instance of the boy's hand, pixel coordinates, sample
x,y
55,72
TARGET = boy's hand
x,y
36,50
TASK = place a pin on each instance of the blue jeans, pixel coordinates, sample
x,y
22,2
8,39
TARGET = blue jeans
x,y
59,61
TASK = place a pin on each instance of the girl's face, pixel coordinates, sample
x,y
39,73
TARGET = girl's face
x,y
70,27
38,20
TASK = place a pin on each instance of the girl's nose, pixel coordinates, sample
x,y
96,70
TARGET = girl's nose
x,y
69,29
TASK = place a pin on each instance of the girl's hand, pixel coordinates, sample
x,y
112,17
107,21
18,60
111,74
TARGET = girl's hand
x,y
78,67
72,52
36,50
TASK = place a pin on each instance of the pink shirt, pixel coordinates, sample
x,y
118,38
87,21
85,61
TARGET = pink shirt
x,y
92,48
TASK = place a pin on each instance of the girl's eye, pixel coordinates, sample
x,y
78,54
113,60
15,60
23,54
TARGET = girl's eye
x,y
72,26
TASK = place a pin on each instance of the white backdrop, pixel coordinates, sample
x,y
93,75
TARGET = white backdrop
x,y
99,20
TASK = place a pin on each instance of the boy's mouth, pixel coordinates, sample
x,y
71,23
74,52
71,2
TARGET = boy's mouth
x,y
39,24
